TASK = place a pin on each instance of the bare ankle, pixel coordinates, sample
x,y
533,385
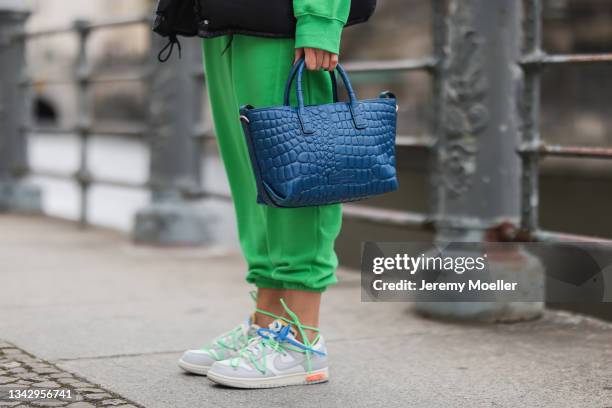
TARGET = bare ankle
x,y
268,306
262,320
311,335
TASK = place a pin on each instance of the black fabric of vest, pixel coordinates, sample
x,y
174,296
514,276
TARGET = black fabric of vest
x,y
262,18
176,17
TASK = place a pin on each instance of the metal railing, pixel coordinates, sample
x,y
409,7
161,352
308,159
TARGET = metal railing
x,y
83,80
84,129
533,149
439,65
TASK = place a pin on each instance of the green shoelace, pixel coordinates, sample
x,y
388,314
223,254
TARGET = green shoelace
x,y
277,341
235,339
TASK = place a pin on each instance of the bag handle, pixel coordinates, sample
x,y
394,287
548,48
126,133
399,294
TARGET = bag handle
x,y
354,105
291,78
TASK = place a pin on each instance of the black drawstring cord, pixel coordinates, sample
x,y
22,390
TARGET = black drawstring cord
x,y
170,48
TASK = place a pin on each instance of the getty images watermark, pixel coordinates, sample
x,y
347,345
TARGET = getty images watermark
x,y
413,264
501,272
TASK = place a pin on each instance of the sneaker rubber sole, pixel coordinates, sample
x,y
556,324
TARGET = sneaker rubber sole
x,y
316,377
192,368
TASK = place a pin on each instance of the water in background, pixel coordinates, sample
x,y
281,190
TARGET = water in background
x,y
120,159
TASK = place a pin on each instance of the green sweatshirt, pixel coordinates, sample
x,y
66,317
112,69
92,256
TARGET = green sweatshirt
x,y
320,23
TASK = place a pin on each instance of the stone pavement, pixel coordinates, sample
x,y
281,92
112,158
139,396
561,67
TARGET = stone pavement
x,y
118,316
22,371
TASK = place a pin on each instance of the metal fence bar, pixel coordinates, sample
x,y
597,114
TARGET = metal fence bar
x,y
530,113
50,130
92,80
419,64
48,81
560,237
46,33
136,131
58,175
544,149
121,22
387,217
393,218
106,80
543,59
415,142
90,26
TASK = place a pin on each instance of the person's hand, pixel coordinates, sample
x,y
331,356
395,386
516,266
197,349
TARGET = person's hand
x,y
317,59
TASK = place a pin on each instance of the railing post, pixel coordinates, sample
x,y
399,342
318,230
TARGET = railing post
x,y
175,95
478,177
439,33
84,120
15,193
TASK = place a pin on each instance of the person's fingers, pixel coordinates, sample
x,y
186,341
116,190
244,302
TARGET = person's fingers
x,y
299,53
317,59
320,54
311,58
326,59
333,62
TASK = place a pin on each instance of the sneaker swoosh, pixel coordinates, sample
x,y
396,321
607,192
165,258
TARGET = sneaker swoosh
x,y
281,365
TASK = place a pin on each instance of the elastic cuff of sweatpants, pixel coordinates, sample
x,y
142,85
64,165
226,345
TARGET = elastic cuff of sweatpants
x,y
263,283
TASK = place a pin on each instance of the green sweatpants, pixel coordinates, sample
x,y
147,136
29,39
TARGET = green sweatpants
x,y
290,248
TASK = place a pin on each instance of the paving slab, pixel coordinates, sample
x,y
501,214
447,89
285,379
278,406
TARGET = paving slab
x,y
118,316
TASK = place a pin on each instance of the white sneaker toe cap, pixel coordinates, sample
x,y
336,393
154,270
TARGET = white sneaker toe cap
x,y
196,361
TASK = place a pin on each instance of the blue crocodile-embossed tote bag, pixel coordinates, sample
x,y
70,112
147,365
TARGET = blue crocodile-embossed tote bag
x,y
322,154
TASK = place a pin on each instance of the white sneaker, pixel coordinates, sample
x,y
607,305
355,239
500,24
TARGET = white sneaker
x,y
223,347
274,359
